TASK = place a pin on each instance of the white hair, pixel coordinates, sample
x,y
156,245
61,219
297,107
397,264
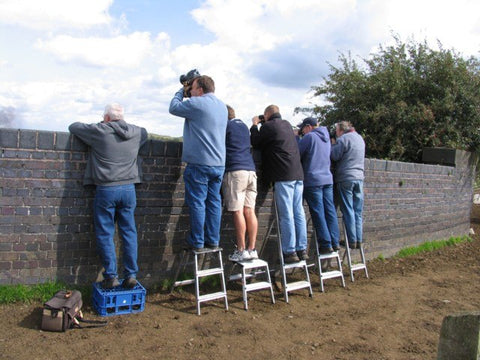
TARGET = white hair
x,y
114,111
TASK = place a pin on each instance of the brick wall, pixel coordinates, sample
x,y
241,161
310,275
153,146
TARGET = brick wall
x,y
46,229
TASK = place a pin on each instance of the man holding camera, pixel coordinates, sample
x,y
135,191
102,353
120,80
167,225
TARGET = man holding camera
x,y
348,153
281,165
204,153
318,184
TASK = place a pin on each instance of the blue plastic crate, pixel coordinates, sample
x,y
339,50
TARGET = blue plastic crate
x,y
118,301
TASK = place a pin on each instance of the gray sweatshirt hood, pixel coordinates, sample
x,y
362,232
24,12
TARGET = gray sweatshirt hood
x,y
122,129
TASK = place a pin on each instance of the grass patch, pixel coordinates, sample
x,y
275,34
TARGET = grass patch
x,y
10,294
432,245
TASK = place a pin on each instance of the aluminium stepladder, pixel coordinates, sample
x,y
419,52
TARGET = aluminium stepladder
x,y
330,274
288,286
249,270
362,265
200,272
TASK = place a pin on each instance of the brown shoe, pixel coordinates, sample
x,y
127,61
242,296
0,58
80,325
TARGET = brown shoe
x,y
290,258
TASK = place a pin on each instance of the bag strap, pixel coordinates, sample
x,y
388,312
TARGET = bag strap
x,y
93,323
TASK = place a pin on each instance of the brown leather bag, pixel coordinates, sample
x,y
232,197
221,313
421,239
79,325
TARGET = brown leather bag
x,y
63,312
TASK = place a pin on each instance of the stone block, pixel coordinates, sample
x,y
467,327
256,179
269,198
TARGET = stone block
x,y
459,337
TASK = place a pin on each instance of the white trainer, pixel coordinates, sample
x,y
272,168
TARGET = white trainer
x,y
239,256
253,254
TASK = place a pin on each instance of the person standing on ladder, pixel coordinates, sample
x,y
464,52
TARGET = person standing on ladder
x,y
204,153
348,154
281,165
318,184
240,187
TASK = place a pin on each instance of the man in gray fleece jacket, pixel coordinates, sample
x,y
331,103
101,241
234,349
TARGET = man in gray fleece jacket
x,y
348,154
114,169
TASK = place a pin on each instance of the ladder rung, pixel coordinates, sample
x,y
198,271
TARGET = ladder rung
x,y
211,271
212,296
258,285
331,274
297,285
184,282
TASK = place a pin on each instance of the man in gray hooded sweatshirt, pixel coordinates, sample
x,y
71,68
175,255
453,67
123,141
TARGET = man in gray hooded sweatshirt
x,y
114,168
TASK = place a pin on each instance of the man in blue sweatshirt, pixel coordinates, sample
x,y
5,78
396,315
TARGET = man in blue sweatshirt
x,y
318,183
113,167
240,187
348,154
204,153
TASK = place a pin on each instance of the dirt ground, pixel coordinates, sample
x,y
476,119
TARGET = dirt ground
x,y
395,314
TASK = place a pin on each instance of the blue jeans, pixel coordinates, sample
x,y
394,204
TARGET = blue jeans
x,y
116,203
323,213
351,204
202,196
293,227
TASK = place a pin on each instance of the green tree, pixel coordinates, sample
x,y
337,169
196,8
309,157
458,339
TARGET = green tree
x,y
406,97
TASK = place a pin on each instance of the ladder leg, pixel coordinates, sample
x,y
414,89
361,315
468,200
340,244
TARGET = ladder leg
x,y
222,275
184,257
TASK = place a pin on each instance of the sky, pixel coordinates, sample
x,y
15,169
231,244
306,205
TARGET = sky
x,y
62,61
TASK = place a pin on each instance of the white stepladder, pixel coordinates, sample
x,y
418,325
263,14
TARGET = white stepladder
x,y
362,265
254,268
200,272
295,285
331,274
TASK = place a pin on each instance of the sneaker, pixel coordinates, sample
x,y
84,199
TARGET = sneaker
x,y
302,254
359,245
290,258
336,248
129,283
253,254
110,283
239,256
325,250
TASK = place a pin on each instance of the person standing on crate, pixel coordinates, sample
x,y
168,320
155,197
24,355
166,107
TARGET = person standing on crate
x,y
281,165
204,153
315,150
240,187
348,154
114,168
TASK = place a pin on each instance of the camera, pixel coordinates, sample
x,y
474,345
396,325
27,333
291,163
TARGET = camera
x,y
187,80
262,119
332,130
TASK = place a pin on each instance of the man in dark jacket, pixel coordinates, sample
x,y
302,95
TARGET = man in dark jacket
x,y
318,184
114,169
281,165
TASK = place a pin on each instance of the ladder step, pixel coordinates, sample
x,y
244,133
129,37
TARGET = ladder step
x,y
298,285
258,285
251,264
328,256
212,296
211,271
299,264
358,267
331,274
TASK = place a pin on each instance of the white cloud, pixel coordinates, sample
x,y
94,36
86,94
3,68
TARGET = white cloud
x,y
122,51
54,14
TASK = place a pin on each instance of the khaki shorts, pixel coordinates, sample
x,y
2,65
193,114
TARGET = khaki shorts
x,y
239,189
